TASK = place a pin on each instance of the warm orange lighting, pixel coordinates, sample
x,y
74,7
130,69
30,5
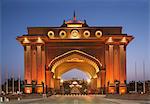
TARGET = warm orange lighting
x,y
75,60
98,34
112,90
75,34
88,80
123,91
26,40
110,40
86,34
62,34
51,34
61,81
28,90
74,25
124,40
39,40
39,90
59,77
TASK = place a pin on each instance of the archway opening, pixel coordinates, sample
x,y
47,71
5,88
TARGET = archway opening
x,y
88,66
75,73
75,81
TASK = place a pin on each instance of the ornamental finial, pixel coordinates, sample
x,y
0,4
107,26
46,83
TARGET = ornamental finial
x,y
74,15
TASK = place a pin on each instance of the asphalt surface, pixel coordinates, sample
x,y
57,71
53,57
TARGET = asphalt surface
x,y
90,99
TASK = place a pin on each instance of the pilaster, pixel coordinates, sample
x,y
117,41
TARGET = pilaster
x,y
57,84
27,69
39,66
122,53
34,67
116,63
122,64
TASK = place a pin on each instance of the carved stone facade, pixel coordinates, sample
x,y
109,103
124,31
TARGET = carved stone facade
x,y
100,52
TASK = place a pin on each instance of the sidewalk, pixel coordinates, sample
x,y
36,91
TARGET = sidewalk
x,y
144,97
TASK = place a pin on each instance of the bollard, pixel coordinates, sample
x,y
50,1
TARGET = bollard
x,y
7,99
18,98
1,99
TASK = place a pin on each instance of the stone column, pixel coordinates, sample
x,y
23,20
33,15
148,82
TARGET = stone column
x,y
52,83
107,65
28,69
39,65
57,84
94,83
48,78
43,65
111,88
99,80
111,64
102,78
122,64
122,55
41,68
51,80
39,87
116,63
34,70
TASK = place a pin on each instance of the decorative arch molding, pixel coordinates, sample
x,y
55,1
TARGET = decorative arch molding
x,y
75,56
83,66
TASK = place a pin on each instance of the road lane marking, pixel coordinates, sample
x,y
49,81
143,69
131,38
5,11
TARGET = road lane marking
x,y
75,102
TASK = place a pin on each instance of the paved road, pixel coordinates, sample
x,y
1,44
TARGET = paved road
x,y
77,100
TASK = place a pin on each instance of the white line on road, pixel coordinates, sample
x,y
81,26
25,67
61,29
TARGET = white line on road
x,y
119,101
75,102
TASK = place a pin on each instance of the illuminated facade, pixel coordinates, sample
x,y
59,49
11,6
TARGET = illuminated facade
x,y
100,52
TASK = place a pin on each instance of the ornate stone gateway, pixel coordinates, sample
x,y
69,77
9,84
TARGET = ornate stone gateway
x,y
51,51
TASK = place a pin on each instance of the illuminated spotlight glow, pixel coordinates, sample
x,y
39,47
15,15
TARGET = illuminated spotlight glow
x,y
124,40
39,40
74,25
88,80
61,81
26,40
122,91
28,90
112,90
110,40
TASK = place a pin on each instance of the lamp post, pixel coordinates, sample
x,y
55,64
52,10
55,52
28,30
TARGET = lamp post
x,y
13,83
19,80
135,78
143,77
6,76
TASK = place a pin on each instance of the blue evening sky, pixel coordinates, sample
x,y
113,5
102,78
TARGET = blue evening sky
x,y
132,15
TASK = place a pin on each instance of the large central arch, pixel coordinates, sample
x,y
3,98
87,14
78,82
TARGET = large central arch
x,y
75,59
